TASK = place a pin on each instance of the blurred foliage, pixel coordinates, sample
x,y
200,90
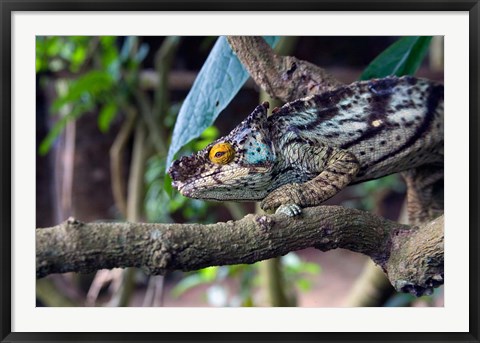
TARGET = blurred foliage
x,y
298,273
98,74
61,53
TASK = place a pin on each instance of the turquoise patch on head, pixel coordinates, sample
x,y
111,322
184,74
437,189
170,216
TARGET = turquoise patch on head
x,y
258,153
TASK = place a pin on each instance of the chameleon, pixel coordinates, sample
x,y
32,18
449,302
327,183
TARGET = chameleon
x,y
311,148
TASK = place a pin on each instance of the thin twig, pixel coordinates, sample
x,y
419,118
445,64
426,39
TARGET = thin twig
x,y
116,162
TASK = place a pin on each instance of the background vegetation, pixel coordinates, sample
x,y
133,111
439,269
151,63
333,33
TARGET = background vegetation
x,y
112,112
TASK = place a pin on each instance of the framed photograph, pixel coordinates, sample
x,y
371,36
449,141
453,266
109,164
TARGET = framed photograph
x,y
100,101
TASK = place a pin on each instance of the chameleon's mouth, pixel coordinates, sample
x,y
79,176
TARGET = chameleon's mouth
x,y
180,186
188,189
217,185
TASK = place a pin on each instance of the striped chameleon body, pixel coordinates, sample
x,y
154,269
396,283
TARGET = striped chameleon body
x,y
311,148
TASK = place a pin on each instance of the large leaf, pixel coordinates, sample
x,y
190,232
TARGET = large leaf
x,y
219,80
401,58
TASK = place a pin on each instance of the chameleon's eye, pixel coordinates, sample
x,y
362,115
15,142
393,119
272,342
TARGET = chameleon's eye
x,y
221,153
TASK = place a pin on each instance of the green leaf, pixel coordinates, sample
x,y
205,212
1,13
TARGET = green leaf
x,y
108,41
167,185
53,46
176,202
91,84
401,58
106,115
78,57
311,268
219,80
187,283
109,54
200,277
209,274
209,135
156,202
40,54
248,301
304,284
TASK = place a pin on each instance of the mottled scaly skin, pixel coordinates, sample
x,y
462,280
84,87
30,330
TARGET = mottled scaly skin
x,y
311,148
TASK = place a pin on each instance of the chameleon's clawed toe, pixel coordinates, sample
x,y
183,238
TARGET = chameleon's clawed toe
x,y
290,210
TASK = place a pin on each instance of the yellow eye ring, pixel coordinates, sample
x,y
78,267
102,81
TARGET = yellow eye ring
x,y
221,153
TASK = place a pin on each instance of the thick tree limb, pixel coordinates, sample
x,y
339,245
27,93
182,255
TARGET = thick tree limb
x,y
413,258
283,77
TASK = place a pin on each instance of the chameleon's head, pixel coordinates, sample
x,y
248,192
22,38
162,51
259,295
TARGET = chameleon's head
x,y
235,167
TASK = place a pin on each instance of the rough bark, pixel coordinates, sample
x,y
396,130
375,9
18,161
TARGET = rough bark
x,y
284,77
420,252
411,256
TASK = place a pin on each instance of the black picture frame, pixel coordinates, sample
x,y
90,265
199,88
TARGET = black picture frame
x,y
8,7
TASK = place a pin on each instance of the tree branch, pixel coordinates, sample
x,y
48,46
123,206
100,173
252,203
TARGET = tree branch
x,y
116,161
412,257
283,77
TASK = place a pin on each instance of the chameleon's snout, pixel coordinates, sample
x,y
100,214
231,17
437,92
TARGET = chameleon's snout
x,y
176,171
185,172
183,169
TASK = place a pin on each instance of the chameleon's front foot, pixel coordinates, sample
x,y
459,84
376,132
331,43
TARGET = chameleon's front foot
x,y
286,199
290,210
